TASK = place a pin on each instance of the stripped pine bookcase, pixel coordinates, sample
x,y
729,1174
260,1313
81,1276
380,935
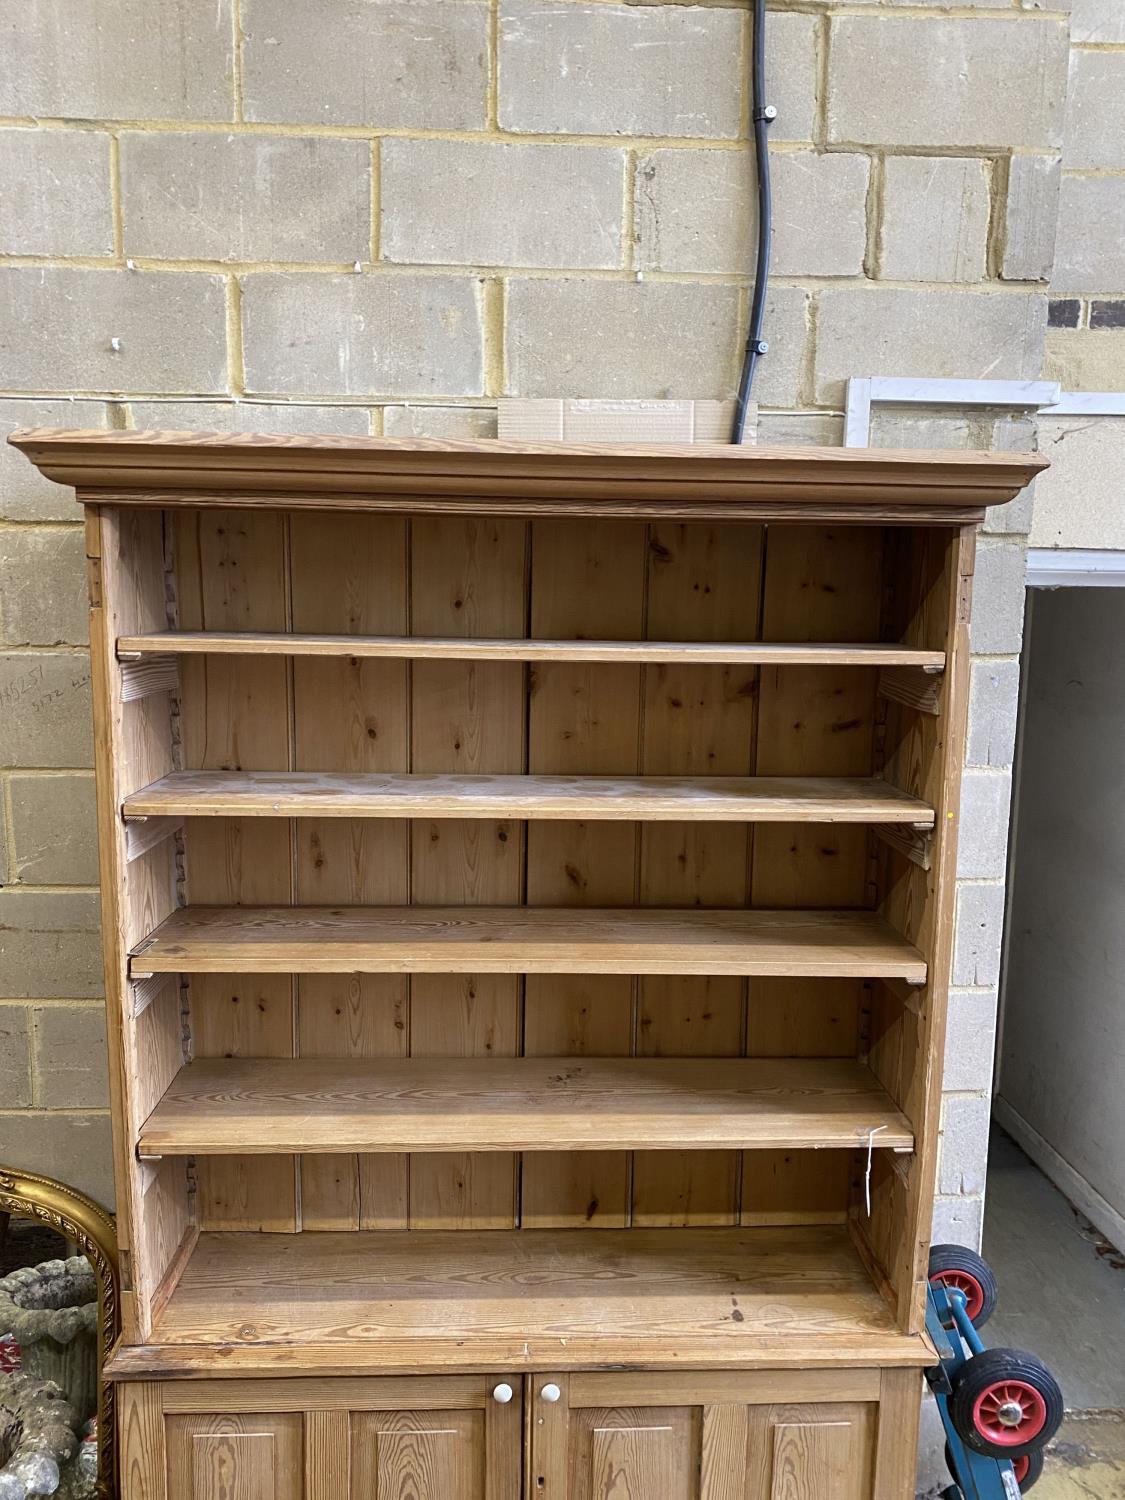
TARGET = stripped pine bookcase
x,y
527,885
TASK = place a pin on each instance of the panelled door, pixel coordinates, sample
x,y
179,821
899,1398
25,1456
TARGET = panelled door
x,y
450,1437
213,1456
714,1437
809,1452
467,1452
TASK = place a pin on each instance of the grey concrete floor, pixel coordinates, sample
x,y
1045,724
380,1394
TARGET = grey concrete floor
x,y
1062,1286
1062,1296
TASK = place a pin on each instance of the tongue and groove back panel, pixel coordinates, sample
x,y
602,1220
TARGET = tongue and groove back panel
x,y
481,576
351,716
467,577
233,572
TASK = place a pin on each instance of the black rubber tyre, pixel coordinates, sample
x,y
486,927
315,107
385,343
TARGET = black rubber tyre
x,y
966,1271
1031,1467
1028,1469
949,1462
1005,1404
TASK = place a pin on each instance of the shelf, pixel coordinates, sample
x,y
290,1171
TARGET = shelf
x,y
710,799
264,1106
523,940
420,648
424,1300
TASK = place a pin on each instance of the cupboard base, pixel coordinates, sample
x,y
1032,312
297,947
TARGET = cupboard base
x,y
843,1434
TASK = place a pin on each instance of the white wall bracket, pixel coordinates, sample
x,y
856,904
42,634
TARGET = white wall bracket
x,y
1087,404
1074,568
883,390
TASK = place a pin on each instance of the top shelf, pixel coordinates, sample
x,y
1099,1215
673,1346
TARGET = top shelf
x,y
423,648
694,481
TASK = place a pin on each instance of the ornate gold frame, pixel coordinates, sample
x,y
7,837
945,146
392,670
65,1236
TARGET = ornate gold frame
x,y
91,1228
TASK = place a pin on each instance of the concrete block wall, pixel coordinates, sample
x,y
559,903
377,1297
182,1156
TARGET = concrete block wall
x,y
1086,342
383,222
52,1039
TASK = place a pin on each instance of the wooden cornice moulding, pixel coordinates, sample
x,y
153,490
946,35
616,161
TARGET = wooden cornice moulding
x,y
699,480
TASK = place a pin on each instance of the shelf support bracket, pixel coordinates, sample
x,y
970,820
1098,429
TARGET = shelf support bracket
x,y
151,674
915,688
145,991
916,845
909,992
143,834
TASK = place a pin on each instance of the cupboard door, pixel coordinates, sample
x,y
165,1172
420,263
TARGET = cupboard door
x,y
444,1454
448,1437
633,1453
818,1452
698,1437
418,1455
244,1457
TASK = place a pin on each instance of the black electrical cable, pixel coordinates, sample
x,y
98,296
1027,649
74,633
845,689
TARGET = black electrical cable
x,y
762,116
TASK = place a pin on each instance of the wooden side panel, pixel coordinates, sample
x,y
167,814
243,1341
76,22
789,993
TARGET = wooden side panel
x,y
931,573
142,1459
134,743
468,577
235,1457
167,1226
587,579
896,1446
703,584
349,575
159,1048
232,573
820,583
931,577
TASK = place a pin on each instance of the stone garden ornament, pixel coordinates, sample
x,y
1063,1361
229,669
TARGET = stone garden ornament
x,y
56,1312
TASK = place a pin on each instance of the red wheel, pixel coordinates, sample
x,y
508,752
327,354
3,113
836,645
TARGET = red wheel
x,y
1027,1470
1005,1404
1010,1413
968,1285
959,1269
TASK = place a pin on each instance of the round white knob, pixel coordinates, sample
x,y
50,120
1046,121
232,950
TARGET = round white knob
x,y
550,1392
502,1393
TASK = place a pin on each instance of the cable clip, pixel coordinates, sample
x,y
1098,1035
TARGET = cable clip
x,y
867,1174
767,114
